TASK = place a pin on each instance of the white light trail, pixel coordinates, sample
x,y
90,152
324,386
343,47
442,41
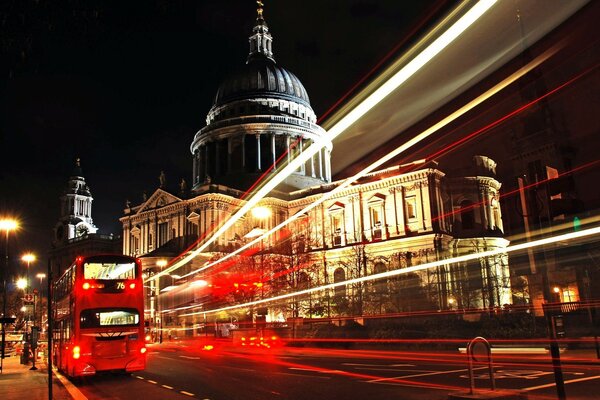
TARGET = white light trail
x,y
387,274
361,109
394,153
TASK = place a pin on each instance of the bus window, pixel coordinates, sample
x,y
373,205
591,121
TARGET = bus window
x,y
97,318
108,271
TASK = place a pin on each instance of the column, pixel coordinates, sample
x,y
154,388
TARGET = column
x,y
327,166
273,154
244,152
228,155
396,222
289,152
303,165
312,166
205,161
258,152
217,159
195,166
321,164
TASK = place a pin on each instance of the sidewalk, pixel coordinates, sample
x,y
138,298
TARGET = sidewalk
x,y
17,382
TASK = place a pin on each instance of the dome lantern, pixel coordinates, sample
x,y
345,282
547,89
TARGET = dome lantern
x,y
261,40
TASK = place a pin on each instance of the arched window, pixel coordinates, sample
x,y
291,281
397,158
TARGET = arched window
x,y
303,281
379,285
467,214
339,275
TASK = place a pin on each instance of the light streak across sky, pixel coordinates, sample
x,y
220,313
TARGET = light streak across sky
x,y
444,40
396,272
415,140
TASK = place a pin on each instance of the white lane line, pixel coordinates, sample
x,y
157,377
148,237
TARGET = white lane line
x,y
72,389
378,365
190,358
589,378
304,375
167,386
139,377
329,371
393,369
187,393
425,374
154,382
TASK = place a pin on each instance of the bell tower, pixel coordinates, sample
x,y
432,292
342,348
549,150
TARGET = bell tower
x,y
76,209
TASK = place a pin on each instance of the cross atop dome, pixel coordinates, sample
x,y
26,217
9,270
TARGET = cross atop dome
x,y
261,40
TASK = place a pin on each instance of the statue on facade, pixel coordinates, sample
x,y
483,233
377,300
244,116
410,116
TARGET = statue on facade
x,y
162,178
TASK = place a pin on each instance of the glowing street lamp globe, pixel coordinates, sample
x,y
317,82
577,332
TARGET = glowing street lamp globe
x,y
22,283
8,225
28,258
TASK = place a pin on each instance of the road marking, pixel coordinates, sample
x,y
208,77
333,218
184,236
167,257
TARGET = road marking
x,y
378,365
187,393
329,371
190,358
154,382
425,374
304,375
140,377
167,386
72,389
512,374
589,378
394,369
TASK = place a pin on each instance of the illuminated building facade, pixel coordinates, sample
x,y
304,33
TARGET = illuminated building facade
x,y
390,219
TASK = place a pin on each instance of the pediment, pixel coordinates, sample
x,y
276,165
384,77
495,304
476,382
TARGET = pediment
x,y
336,206
159,199
376,198
193,216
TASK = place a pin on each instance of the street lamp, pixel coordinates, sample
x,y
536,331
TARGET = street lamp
x,y
29,258
6,225
41,277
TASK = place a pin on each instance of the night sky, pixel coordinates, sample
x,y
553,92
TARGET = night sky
x,y
125,85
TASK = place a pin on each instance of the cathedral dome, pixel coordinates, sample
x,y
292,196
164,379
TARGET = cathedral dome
x,y
260,120
262,77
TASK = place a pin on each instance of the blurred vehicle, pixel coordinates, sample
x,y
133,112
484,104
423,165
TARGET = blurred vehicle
x,y
261,341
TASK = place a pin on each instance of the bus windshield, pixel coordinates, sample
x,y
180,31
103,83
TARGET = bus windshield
x,y
108,270
97,318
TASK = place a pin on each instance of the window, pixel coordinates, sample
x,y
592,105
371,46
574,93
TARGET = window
x,y
376,219
96,318
163,233
411,207
94,270
337,227
467,214
380,285
339,275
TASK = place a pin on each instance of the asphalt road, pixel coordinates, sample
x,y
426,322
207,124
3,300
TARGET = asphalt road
x,y
179,371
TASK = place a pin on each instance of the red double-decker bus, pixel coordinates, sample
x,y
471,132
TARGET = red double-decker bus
x,y
99,316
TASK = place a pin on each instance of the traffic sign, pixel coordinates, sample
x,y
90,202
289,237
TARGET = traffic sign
x,y
28,298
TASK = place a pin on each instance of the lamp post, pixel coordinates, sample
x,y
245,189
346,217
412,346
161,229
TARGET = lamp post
x,y
41,277
29,258
6,225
